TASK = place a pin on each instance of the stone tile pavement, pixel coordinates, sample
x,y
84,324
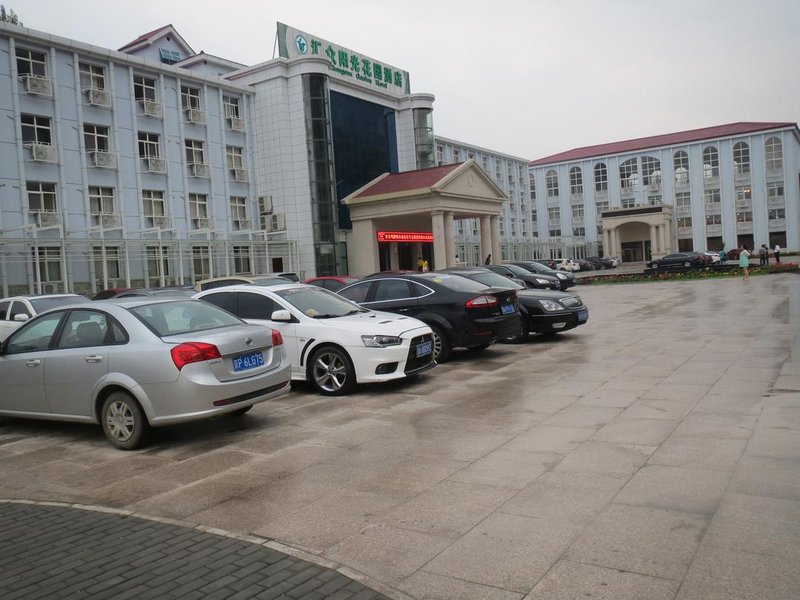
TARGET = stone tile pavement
x,y
652,453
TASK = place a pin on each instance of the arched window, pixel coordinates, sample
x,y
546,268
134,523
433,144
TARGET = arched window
x,y
600,177
628,174
741,158
552,184
575,181
651,170
710,162
680,164
774,154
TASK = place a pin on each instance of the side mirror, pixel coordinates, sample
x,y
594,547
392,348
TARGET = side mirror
x,y
21,318
283,316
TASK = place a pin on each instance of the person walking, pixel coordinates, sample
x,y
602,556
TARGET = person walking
x,y
488,260
744,261
425,267
763,255
777,252
420,264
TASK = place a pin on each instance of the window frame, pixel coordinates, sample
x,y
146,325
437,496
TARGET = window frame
x,y
36,128
32,62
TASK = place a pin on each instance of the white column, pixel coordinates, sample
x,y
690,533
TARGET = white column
x,y
439,246
654,241
663,235
394,256
497,255
486,238
449,239
362,249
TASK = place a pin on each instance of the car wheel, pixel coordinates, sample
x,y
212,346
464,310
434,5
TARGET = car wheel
x,y
653,265
441,345
687,264
124,421
332,372
524,332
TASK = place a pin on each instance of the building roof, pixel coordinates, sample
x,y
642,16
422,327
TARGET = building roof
x,y
407,181
667,139
156,34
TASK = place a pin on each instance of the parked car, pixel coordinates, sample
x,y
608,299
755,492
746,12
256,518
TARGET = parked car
x,y
462,313
14,311
332,343
532,280
679,260
332,282
585,265
178,291
268,279
601,262
713,256
541,311
566,264
565,280
135,364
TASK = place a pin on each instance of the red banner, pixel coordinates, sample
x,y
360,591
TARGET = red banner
x,y
405,236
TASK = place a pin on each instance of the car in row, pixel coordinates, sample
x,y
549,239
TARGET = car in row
x,y
565,279
680,260
16,310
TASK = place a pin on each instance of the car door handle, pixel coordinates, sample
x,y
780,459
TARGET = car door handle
x,y
33,363
94,358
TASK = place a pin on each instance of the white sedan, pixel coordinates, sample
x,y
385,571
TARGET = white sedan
x,y
332,342
19,309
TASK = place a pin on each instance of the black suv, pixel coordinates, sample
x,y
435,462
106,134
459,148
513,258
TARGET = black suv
x,y
461,312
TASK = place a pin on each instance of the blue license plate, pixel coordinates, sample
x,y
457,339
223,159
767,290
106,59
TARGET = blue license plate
x,y
583,316
248,361
424,349
507,309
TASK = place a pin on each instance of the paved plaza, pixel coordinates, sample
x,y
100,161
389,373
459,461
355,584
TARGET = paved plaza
x,y
652,453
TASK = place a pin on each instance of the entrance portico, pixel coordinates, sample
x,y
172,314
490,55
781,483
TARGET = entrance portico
x,y
638,234
398,208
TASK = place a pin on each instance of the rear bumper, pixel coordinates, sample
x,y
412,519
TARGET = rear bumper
x,y
482,331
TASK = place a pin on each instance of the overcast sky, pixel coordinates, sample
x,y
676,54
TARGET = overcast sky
x,y
525,77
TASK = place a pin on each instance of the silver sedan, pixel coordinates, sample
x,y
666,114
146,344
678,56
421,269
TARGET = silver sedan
x,y
134,364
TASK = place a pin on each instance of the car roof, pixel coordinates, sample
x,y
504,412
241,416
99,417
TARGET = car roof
x,y
136,301
249,287
41,296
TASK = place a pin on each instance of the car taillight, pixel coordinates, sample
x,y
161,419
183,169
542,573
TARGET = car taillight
x,y
482,302
192,352
277,338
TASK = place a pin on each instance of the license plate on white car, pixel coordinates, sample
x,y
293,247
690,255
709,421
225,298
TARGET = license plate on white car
x,y
248,361
424,349
507,309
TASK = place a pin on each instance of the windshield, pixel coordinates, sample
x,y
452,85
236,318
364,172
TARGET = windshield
x,y
42,304
518,270
495,280
174,318
318,303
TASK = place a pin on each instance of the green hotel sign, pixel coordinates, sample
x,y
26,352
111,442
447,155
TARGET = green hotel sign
x,y
293,43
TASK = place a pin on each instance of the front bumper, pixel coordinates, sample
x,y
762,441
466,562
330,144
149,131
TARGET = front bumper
x,y
561,321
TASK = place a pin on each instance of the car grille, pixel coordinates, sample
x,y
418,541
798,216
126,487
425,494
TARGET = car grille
x,y
412,362
571,302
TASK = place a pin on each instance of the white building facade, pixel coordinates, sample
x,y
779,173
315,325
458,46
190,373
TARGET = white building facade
x,y
726,185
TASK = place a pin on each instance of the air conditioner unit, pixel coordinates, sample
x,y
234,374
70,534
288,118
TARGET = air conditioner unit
x,y
161,222
49,219
43,152
196,116
277,223
109,220
156,165
198,169
35,84
98,97
151,108
50,288
265,204
103,159
241,225
241,175
237,124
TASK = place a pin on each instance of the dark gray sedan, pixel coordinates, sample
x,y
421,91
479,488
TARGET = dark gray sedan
x,y
134,364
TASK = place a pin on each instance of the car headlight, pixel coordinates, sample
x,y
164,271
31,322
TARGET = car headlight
x,y
550,306
542,281
562,276
380,341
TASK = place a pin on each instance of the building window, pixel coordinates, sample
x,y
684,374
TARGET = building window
x,y
157,261
651,171
239,213
744,216
198,211
231,106
713,220
579,231
101,200
95,138
149,146
654,200
195,153
532,187
774,191
169,57
600,177
680,163
112,262
234,157
776,213
241,260
684,222
741,158
264,211
456,155
774,154
712,196
552,184
93,77
41,197
190,98
153,206
602,207
554,213
629,174
144,88
48,263
577,211
743,194
35,129
201,262
575,181
710,162
554,232
31,62
683,199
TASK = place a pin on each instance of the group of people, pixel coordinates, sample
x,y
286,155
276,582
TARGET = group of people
x,y
763,257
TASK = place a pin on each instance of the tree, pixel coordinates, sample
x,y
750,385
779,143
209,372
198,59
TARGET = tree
x,y
9,16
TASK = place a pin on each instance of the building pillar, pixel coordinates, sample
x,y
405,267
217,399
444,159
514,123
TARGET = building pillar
x,y
664,239
439,245
607,249
486,238
615,242
497,255
394,256
449,239
654,250
362,249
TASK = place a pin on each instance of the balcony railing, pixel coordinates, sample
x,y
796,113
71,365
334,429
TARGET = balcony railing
x,y
775,173
576,198
715,228
777,224
713,208
683,211
578,221
744,227
776,201
711,182
684,232
744,204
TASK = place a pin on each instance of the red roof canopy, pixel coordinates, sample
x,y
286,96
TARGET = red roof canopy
x,y
407,181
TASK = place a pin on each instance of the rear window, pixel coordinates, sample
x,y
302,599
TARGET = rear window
x,y
42,304
456,282
175,318
495,280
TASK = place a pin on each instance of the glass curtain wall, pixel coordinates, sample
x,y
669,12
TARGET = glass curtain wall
x,y
423,137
